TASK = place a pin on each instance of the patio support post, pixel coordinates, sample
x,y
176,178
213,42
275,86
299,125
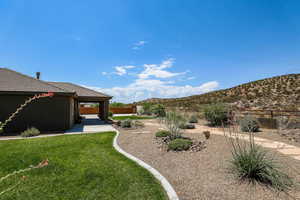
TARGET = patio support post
x,y
100,114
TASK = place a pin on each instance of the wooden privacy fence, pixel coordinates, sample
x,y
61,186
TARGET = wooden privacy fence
x,y
114,110
89,110
123,110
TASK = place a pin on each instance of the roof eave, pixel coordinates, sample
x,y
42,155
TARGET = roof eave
x,y
36,92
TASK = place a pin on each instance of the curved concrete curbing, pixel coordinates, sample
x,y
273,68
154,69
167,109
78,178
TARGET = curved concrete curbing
x,y
164,182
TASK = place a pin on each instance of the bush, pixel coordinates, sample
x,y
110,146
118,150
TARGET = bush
x,y
206,134
110,114
138,124
249,124
216,114
193,119
30,132
127,123
180,144
186,126
163,133
253,165
159,110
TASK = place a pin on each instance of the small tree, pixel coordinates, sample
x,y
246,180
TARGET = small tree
x,y
216,114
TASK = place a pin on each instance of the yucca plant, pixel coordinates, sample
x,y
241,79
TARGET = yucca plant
x,y
253,164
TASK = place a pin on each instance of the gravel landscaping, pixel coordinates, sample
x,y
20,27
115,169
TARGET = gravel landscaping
x,y
203,174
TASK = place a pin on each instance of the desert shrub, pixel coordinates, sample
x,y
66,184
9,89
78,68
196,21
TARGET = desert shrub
x,y
118,123
249,124
180,144
216,114
30,132
138,124
193,119
172,121
162,133
110,114
159,110
206,134
127,123
186,126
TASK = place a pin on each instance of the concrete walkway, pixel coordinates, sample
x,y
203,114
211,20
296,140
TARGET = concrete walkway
x,y
286,149
90,124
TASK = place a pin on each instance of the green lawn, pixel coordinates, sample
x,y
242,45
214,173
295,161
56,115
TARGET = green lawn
x,y
84,167
133,117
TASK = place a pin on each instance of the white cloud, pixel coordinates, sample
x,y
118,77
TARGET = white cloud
x,y
154,81
159,71
104,73
122,70
138,45
142,89
191,78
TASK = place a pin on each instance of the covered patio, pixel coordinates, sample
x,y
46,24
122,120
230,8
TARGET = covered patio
x,y
85,95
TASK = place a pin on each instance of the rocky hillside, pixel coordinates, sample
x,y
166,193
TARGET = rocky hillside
x,y
279,93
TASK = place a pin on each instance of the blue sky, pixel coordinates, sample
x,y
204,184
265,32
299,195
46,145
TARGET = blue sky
x,y
136,49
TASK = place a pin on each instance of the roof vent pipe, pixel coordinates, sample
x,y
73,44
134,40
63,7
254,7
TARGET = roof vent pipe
x,y
38,75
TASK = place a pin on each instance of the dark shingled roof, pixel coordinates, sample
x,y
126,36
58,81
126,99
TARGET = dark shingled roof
x,y
15,82
80,91
12,81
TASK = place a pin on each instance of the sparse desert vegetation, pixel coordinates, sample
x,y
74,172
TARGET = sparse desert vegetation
x,y
231,158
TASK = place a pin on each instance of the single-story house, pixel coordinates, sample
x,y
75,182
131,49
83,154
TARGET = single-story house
x,y
57,113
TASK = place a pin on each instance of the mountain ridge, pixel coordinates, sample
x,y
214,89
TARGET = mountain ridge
x,y
278,92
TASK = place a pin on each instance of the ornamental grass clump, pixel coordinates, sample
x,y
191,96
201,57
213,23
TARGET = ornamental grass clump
x,y
30,132
253,164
